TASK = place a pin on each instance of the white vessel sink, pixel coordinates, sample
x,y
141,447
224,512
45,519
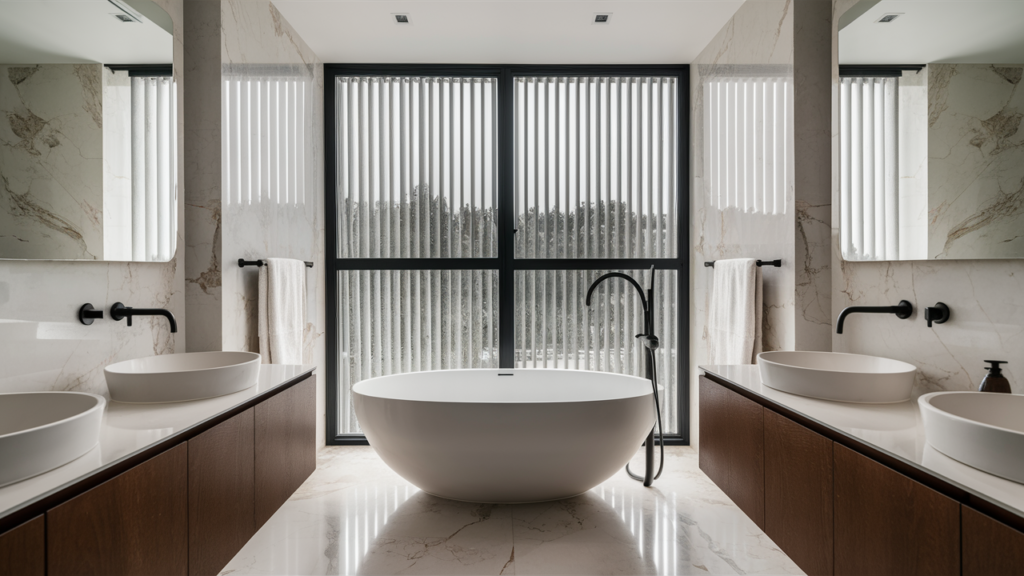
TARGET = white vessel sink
x,y
40,431
181,377
838,377
980,429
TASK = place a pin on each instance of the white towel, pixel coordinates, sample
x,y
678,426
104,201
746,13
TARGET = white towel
x,y
282,310
734,321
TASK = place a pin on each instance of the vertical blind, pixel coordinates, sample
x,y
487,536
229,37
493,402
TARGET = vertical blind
x,y
399,321
868,176
746,159
416,167
596,162
154,176
265,121
596,167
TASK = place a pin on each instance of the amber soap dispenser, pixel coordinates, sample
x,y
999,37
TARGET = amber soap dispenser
x,y
994,381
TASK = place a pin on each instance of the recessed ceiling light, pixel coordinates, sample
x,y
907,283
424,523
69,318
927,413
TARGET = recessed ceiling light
x,y
602,18
401,19
888,18
126,14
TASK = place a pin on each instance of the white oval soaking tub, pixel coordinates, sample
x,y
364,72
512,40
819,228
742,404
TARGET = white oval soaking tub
x,y
505,436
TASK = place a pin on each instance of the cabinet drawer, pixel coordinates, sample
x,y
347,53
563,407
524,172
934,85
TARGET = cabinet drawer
x,y
990,548
798,492
23,549
285,446
886,523
221,514
732,446
135,523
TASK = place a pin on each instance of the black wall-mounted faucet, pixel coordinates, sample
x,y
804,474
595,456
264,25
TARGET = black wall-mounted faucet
x,y
903,310
119,311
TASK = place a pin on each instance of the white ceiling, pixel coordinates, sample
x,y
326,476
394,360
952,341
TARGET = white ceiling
x,y
508,31
77,31
965,31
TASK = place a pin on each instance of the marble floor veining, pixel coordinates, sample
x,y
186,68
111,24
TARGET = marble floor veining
x,y
355,516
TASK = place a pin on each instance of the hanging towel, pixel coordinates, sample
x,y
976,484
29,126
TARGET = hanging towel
x,y
734,320
282,310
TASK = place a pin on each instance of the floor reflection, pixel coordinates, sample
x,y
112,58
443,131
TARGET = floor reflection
x,y
355,516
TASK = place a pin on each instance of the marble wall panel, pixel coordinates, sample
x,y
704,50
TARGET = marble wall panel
x,y
812,33
986,298
51,161
42,344
257,43
758,39
247,40
202,159
786,39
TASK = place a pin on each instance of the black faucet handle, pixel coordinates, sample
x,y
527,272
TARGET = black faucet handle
x,y
937,314
119,311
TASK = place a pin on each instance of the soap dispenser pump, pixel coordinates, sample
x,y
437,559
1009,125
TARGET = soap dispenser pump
x,y
994,381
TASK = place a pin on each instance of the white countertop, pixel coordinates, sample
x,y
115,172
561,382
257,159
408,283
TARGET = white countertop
x,y
896,429
128,429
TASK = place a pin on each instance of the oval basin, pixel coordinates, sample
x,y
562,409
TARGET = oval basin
x,y
181,377
980,429
838,377
40,431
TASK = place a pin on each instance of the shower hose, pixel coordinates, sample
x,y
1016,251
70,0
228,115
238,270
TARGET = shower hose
x,y
657,408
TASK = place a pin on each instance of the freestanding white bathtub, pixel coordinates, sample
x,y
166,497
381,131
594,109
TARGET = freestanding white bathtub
x,y
505,436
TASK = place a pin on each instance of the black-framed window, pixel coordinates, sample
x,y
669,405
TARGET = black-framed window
x,y
470,207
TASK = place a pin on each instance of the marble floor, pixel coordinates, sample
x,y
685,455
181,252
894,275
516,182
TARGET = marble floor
x,y
355,516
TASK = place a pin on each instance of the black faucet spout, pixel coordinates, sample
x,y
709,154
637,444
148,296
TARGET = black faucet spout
x,y
639,290
903,310
119,311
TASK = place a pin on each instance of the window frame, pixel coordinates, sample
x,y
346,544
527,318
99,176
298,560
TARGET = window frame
x,y
505,263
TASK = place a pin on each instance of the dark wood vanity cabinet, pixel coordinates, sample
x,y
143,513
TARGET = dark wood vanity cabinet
x,y
837,507
989,547
221,512
284,425
732,446
23,549
798,492
133,524
887,523
186,505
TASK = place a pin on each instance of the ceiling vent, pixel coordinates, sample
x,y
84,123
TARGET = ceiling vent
x,y
125,12
888,18
602,18
401,19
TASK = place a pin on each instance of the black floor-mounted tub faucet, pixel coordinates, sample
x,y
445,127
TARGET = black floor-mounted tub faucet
x,y
650,343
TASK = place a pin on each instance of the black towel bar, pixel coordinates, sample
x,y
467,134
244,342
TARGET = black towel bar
x,y
775,263
243,262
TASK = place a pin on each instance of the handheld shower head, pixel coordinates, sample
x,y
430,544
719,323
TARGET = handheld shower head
x,y
649,340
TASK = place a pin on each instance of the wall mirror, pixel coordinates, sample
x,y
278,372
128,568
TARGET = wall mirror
x,y
931,143
88,117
